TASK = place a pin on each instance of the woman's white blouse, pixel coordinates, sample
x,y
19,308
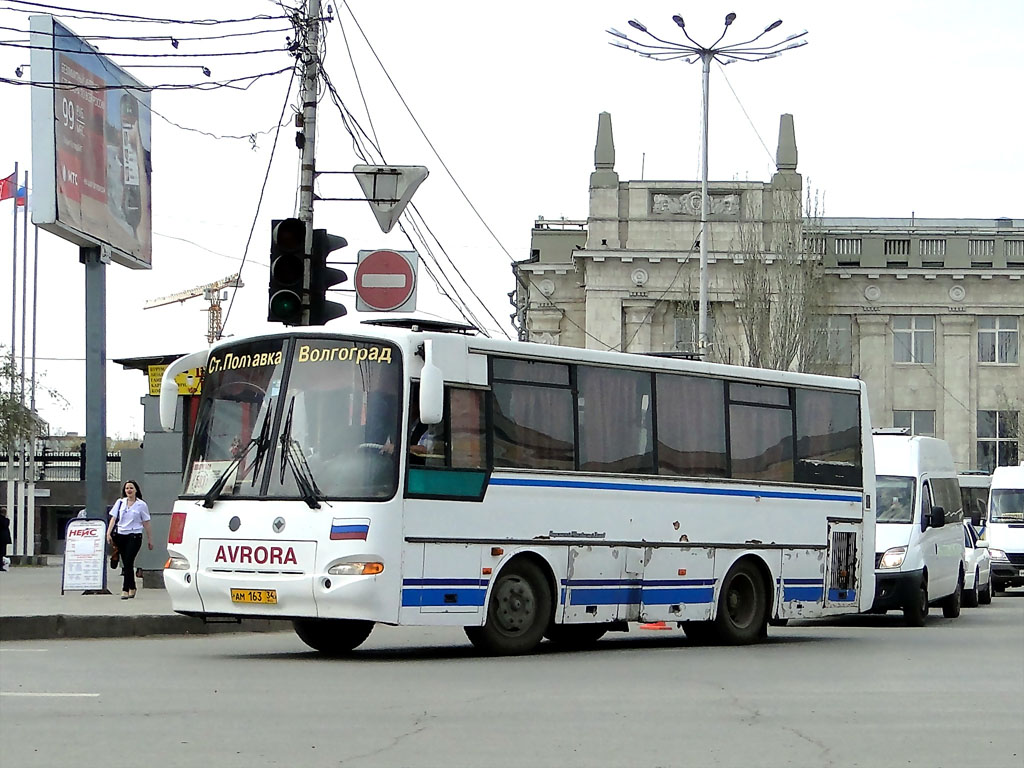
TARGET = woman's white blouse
x,y
131,518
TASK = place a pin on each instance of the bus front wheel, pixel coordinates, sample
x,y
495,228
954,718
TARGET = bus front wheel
x,y
742,606
332,637
518,612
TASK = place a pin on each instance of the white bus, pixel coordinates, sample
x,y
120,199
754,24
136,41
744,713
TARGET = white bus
x,y
521,491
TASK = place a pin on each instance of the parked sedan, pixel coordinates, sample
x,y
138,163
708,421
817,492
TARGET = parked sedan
x,y
977,569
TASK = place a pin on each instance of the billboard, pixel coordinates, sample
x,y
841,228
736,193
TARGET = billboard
x,y
91,147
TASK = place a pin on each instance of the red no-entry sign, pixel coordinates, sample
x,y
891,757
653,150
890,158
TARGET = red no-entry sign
x,y
386,281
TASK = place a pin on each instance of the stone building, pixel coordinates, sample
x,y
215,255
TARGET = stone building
x,y
927,311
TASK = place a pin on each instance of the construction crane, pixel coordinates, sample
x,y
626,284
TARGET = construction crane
x,y
212,293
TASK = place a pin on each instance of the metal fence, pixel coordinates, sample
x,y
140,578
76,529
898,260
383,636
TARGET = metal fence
x,y
60,467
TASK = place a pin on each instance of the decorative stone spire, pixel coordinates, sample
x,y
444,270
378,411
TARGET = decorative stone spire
x,y
786,155
604,174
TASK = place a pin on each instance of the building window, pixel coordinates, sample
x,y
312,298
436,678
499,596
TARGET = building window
x,y
998,433
1015,254
918,422
913,339
897,247
686,326
847,246
833,340
933,248
981,249
814,245
998,340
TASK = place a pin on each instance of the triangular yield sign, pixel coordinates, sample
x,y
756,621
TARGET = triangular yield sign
x,y
388,189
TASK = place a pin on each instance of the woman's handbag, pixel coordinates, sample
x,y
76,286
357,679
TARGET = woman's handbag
x,y
115,553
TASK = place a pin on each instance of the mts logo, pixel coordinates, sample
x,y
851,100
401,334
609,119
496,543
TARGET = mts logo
x,y
83,532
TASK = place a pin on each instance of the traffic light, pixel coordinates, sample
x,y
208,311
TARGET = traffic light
x,y
322,277
287,264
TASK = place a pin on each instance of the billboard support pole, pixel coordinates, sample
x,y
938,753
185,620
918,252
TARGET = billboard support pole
x,y
95,380
307,168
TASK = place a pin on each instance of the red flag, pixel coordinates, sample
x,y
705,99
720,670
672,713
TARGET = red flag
x,y
8,187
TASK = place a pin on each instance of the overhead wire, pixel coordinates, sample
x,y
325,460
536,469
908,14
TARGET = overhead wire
x,y
126,17
263,189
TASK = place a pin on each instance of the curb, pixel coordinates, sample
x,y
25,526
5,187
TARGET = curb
x,y
61,626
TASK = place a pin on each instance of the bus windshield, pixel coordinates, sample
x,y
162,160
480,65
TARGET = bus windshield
x,y
1006,505
333,424
895,499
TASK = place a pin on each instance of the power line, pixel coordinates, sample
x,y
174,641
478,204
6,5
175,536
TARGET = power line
x,y
207,86
259,202
111,16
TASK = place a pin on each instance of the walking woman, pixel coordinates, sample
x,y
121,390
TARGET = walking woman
x,y
129,517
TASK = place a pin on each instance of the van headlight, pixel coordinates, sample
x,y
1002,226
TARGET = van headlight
x,y
997,554
893,558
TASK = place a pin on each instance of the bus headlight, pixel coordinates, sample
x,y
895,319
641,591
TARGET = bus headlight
x,y
356,569
176,563
893,558
997,554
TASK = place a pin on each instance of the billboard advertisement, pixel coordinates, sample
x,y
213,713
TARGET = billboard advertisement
x,y
91,146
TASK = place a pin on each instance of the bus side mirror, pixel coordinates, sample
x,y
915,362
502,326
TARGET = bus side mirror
x,y
169,387
431,388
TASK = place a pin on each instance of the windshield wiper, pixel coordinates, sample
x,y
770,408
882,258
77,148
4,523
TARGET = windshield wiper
x,y
260,443
293,456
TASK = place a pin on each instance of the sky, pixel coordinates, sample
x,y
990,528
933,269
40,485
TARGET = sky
x,y
900,108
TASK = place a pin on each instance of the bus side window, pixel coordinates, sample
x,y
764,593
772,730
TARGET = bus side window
x,y
468,428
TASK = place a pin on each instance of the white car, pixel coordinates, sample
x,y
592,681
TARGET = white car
x,y
977,569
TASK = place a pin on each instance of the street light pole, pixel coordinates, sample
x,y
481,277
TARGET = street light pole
x,y
667,50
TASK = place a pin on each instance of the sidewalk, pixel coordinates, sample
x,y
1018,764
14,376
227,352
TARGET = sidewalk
x,y
32,608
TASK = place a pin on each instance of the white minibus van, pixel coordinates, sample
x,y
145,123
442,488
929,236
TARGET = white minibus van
x,y
919,540
1005,528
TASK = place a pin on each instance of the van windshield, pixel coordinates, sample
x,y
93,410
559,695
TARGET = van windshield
x,y
895,499
1006,505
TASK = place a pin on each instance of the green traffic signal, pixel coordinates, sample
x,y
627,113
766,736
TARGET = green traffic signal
x,y
287,269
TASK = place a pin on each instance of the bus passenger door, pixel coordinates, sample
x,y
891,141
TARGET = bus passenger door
x,y
596,587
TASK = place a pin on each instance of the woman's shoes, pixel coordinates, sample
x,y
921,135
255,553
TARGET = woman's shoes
x,y
131,593
125,595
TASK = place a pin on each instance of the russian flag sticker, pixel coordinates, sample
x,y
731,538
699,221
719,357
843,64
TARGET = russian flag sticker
x,y
349,528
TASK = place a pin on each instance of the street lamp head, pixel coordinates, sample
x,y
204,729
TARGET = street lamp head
x,y
679,21
637,25
730,18
773,25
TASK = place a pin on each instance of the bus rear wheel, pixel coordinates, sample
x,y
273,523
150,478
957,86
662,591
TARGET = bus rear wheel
x,y
518,612
742,616
332,637
575,636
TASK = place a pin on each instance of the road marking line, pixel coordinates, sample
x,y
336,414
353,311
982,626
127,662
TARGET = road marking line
x,y
24,650
51,695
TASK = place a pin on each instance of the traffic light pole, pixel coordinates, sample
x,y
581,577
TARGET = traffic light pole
x,y
310,74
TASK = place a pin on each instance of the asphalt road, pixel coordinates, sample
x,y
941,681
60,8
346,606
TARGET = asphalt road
x,y
860,692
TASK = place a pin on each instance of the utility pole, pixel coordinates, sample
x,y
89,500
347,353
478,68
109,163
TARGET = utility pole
x,y
307,168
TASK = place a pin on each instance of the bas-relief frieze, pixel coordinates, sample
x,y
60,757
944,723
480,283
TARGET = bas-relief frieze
x,y
689,204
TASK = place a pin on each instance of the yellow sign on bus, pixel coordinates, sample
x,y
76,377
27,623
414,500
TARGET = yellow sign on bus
x,y
189,382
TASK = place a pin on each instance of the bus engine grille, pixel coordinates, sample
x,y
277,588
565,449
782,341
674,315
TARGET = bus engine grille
x,y
842,566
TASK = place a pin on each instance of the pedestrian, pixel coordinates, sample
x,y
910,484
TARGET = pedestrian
x,y
129,517
5,538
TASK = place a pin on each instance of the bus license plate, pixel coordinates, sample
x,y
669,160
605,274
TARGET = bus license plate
x,y
264,596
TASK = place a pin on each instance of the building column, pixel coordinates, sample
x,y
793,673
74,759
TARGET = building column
x,y
875,361
637,313
957,410
544,325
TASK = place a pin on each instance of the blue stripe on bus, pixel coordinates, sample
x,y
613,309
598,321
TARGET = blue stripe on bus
x,y
441,582
523,482
788,581
412,598
807,594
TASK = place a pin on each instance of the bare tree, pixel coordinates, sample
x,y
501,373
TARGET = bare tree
x,y
17,421
780,288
